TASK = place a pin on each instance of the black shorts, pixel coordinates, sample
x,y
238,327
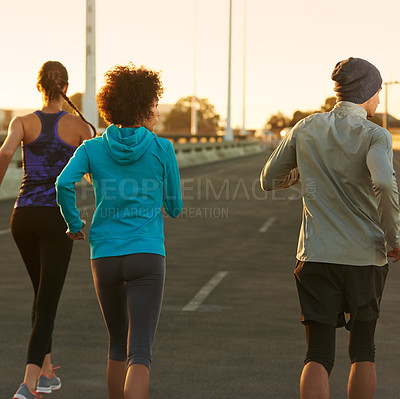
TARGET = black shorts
x,y
328,291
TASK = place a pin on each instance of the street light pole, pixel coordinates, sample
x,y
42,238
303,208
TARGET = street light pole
x,y
229,133
193,120
385,116
89,97
244,132
385,120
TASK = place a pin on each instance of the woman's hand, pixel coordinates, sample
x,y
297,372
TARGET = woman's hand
x,y
80,235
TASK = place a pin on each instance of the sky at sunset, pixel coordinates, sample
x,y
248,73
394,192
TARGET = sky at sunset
x,y
292,47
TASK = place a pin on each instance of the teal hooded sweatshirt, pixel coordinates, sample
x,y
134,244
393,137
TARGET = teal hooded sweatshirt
x,y
134,174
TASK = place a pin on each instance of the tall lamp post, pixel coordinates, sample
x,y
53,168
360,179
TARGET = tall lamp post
x,y
229,133
89,97
385,120
193,119
244,132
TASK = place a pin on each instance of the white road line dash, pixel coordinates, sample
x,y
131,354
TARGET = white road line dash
x,y
5,231
204,292
267,225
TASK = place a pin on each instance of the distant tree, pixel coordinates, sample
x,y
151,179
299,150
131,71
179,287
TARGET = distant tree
x,y
277,122
77,100
298,116
180,115
329,104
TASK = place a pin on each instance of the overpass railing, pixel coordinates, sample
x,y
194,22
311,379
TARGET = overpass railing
x,y
189,150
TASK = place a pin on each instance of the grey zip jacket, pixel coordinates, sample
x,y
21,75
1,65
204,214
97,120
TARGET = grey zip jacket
x,y
348,186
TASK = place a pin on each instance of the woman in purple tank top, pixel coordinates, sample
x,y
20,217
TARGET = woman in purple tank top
x,y
49,138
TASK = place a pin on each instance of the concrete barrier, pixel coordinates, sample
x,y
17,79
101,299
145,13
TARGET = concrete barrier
x,y
191,154
187,154
13,177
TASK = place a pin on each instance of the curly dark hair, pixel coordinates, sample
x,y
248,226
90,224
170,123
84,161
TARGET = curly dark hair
x,y
128,94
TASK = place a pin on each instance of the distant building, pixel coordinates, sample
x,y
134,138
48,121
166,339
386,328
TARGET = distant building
x,y
24,111
5,118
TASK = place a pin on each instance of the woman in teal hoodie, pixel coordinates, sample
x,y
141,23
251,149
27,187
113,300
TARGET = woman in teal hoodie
x,y
134,175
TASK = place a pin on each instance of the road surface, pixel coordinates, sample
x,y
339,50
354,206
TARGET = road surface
x,y
229,327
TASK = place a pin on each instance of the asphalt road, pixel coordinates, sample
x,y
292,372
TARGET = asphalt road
x,y
229,327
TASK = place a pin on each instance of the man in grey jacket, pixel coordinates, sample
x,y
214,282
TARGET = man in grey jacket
x,y
350,224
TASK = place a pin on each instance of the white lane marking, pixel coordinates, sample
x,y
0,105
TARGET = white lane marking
x,y
267,225
5,231
204,292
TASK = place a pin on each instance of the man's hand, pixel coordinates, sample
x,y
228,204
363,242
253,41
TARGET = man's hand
x,y
394,253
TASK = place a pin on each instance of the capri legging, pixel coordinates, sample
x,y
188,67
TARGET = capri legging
x,y
130,290
321,343
39,233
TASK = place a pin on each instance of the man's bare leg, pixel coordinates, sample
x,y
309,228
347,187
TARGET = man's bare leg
x,y
314,382
362,381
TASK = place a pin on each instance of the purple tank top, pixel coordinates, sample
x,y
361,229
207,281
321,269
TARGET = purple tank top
x,y
42,161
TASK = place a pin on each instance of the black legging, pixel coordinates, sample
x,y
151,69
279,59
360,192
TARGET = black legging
x,y
130,289
321,343
39,233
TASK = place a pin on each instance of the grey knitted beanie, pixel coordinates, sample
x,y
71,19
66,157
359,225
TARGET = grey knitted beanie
x,y
356,80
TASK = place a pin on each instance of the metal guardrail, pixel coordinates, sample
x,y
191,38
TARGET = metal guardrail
x,y
200,138
190,151
176,138
190,154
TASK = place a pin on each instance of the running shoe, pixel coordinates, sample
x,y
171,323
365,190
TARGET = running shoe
x,y
24,393
47,385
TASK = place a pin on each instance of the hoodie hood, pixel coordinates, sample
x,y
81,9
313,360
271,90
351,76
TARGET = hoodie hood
x,y
126,145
